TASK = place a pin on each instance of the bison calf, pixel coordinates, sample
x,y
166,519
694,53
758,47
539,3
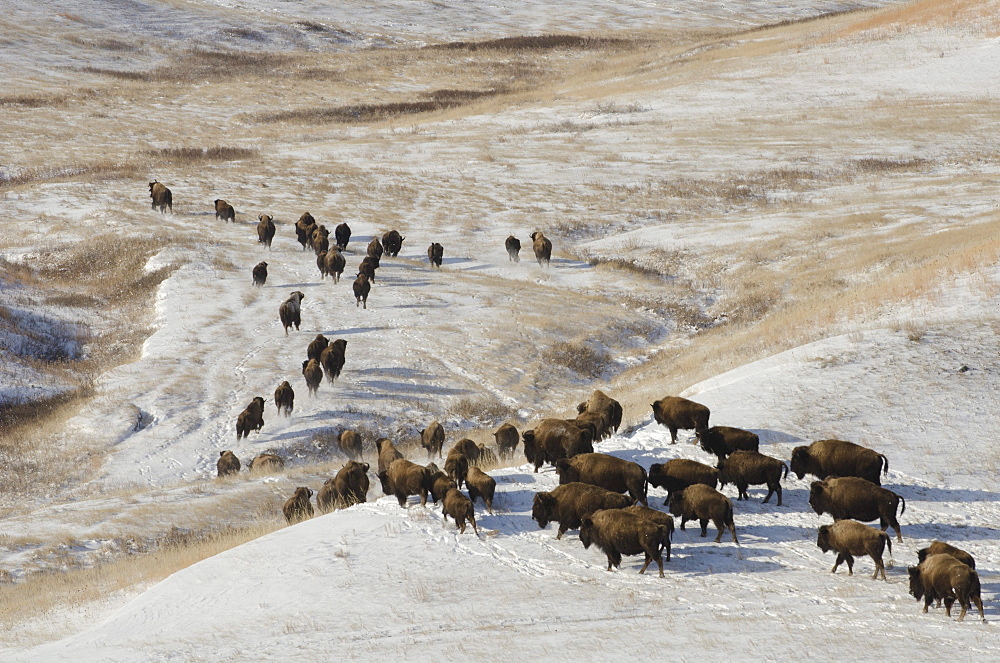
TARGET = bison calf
x,y
459,507
513,246
435,254
849,538
350,444
260,273
617,532
703,503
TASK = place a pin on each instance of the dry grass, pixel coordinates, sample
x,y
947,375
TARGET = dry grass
x,y
579,357
485,409
182,156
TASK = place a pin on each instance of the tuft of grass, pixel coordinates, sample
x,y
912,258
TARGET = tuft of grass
x,y
579,357
196,155
486,409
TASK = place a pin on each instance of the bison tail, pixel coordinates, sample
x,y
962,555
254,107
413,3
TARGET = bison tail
x,y
903,500
786,471
885,466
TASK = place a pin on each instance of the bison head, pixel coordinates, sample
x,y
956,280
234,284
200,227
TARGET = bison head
x,y
675,503
817,497
383,478
800,461
529,445
823,538
581,408
656,411
916,585
586,532
542,509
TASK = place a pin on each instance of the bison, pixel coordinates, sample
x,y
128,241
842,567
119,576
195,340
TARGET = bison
x,y
513,246
404,478
942,548
456,466
352,483
657,517
333,358
375,249
724,440
304,229
553,439
319,240
750,468
617,532
251,418
342,235
435,254
298,507
849,538
227,464
368,267
944,577
333,264
284,398
679,473
387,453
260,274
327,497
481,485
859,499
350,444
432,439
570,503
678,413
313,375
290,311
459,507
602,404
440,483
392,241
506,437
224,211
163,199
838,458
266,463
316,347
703,503
608,472
542,247
265,229
361,289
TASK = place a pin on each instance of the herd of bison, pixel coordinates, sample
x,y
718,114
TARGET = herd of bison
x,y
602,496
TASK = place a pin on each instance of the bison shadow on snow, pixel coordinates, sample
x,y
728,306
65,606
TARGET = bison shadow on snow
x,y
352,330
918,493
391,389
768,436
714,558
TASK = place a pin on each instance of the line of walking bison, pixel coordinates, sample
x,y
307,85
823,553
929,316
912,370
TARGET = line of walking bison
x,y
606,498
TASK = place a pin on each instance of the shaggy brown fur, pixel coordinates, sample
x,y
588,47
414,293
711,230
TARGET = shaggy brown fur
x,y
724,440
481,485
265,229
553,439
375,248
542,247
327,499
320,239
350,444
678,413
404,478
316,347
387,453
432,439
838,458
459,507
467,447
679,473
602,404
657,517
352,482
849,538
313,375
570,503
224,211
456,466
617,532
260,273
304,229
342,234
392,241
435,254
333,358
750,468
944,577
608,472
507,438
290,311
368,267
333,264
266,464
942,548
163,199
298,507
703,503
361,289
440,482
486,457
513,246
227,464
251,418
284,398
858,499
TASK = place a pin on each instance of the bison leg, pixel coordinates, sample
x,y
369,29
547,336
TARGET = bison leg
x,y
673,436
704,528
666,548
979,605
472,520
562,530
840,558
461,525
743,494
948,602
879,566
489,506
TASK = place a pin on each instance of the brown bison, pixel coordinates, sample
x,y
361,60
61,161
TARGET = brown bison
x,y
327,498
602,404
848,538
405,478
392,241
266,464
679,473
290,311
485,457
507,438
459,507
227,464
387,453
944,577
265,229
251,418
304,229
678,413
513,246
316,347
481,485
858,499
368,267
313,374
298,507
375,249
163,199
352,483
224,211
750,468
456,466
942,548
361,289
333,264
724,440
284,398
440,482
432,439
703,503
435,254
570,503
320,239
542,247
608,472
333,358
617,532
342,235
467,447
553,439
350,444
260,274
657,517
838,458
